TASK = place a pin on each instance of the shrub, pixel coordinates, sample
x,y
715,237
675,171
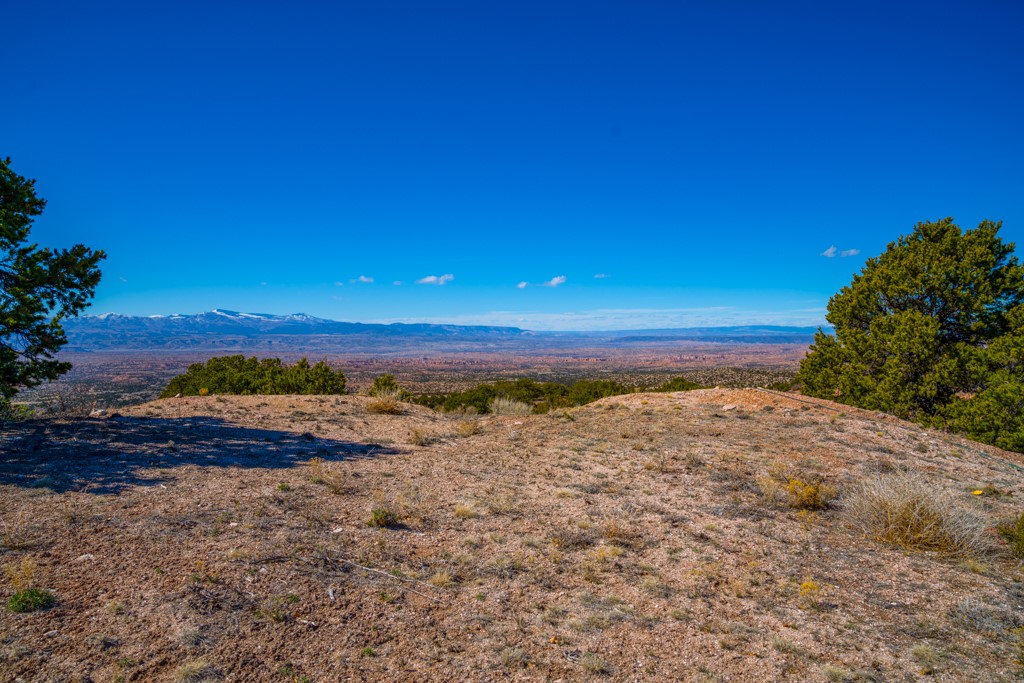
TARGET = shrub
x,y
241,375
31,600
382,517
502,405
678,384
542,396
386,384
386,402
904,510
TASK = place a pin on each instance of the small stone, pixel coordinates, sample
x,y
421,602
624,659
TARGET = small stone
x,y
83,558
729,406
52,634
99,412
177,395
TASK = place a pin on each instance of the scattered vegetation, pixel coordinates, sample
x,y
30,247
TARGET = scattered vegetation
x,y
539,397
906,511
241,375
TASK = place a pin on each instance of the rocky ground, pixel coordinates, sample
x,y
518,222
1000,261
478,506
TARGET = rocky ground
x,y
231,538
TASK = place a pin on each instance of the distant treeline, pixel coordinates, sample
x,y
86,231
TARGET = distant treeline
x,y
241,375
543,396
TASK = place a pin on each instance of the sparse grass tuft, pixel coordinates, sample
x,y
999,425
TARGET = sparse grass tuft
x,y
386,402
383,517
418,437
928,657
322,473
467,428
14,533
904,510
441,580
513,657
595,664
1013,532
196,671
797,490
502,405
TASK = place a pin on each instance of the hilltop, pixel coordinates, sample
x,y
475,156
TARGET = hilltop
x,y
229,538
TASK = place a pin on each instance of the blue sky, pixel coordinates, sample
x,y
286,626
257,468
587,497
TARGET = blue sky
x,y
701,157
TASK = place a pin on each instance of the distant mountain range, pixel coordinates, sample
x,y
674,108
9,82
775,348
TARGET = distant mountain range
x,y
231,329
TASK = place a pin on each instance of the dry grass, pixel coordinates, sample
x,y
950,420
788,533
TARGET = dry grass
x,y
386,402
322,473
502,405
907,511
467,428
797,490
196,671
510,552
14,533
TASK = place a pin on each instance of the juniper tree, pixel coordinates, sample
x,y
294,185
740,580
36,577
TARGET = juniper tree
x,y
39,288
932,323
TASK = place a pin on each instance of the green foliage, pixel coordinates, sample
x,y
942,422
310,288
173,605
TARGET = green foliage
x,y
39,288
542,396
31,600
932,330
241,375
386,385
678,384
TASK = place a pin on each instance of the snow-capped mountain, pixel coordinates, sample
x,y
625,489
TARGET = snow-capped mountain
x,y
221,327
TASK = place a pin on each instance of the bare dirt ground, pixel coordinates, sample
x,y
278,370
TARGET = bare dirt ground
x,y
228,538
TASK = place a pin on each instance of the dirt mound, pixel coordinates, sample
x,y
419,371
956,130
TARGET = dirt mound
x,y
296,538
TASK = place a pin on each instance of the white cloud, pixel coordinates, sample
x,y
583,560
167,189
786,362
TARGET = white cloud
x,y
339,284
436,279
830,252
522,285
555,281
123,280
849,252
600,276
362,278
397,283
